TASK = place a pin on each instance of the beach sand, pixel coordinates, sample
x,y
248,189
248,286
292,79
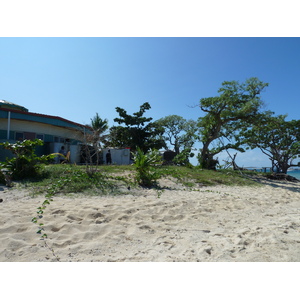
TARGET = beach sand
x,y
210,224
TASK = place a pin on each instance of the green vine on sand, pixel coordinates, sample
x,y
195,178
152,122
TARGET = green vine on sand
x,y
52,190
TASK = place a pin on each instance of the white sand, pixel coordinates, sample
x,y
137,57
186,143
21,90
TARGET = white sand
x,y
212,224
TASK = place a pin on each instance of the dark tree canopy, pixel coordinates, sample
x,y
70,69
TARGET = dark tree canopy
x,y
236,106
136,133
136,120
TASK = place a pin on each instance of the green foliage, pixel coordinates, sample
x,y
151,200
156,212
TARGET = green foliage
x,y
197,177
235,108
178,132
93,140
182,159
277,138
98,124
75,179
25,163
135,133
136,119
99,131
147,175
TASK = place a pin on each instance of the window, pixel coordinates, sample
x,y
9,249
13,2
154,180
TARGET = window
x,y
59,139
29,135
19,136
40,136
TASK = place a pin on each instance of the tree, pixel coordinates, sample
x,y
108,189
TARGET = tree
x,y
94,138
236,107
99,126
277,138
178,132
136,133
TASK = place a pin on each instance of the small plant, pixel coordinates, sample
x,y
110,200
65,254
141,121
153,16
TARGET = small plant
x,y
144,164
182,159
25,162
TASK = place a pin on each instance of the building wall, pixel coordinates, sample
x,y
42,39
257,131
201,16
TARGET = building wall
x,y
118,156
47,130
53,136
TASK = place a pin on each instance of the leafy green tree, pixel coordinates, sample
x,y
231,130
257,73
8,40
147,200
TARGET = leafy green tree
x,y
277,138
178,132
25,163
236,107
138,131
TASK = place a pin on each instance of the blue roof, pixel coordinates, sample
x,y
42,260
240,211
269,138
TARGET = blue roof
x,y
6,104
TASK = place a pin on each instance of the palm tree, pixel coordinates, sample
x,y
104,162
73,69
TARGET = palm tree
x,y
99,127
96,136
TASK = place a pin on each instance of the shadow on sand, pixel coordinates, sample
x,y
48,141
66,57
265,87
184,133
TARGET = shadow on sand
x,y
293,184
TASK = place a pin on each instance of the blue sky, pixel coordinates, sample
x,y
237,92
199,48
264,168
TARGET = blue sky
x,y
76,77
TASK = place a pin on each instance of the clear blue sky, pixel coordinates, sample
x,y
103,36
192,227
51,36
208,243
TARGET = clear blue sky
x,y
76,77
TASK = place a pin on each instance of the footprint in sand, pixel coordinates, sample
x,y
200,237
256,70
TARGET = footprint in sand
x,y
99,218
59,212
74,218
96,216
55,229
146,227
125,217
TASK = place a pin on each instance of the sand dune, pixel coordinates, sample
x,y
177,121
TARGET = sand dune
x,y
209,224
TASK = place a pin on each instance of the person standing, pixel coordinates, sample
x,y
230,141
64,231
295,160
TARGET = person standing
x,y
108,158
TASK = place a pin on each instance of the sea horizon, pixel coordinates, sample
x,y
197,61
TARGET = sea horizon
x,y
294,172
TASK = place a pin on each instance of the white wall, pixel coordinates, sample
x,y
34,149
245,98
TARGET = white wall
x,y
74,151
118,156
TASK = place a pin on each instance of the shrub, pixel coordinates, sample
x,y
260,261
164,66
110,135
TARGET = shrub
x,y
182,159
25,163
145,164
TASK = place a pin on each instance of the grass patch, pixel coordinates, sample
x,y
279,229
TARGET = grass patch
x,y
113,179
192,176
73,179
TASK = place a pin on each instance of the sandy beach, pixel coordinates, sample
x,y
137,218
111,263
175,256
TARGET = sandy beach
x,y
207,224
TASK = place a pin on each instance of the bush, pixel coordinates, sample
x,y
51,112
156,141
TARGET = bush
x,y
182,159
145,164
25,163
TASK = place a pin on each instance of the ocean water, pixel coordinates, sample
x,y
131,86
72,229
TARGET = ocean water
x,y
294,173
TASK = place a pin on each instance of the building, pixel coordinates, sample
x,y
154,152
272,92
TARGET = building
x,y
118,156
17,123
